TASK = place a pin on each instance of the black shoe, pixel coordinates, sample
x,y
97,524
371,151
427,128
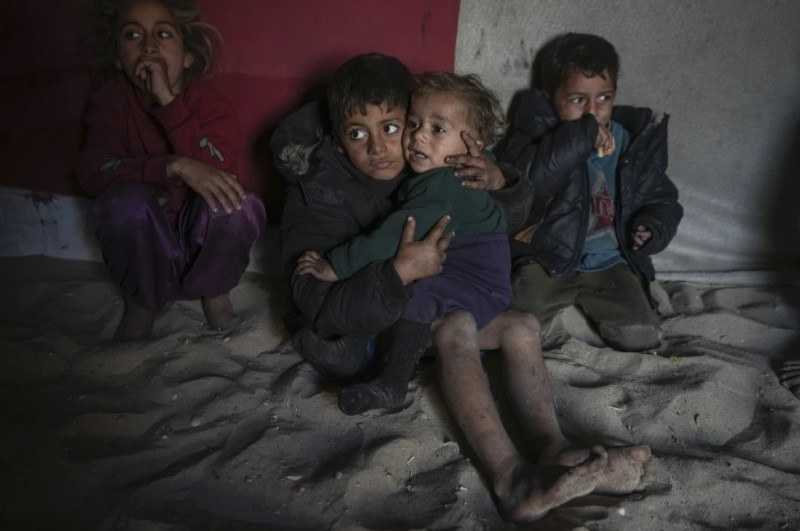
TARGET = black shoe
x,y
371,395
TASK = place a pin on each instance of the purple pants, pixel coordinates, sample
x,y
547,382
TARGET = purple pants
x,y
476,277
156,261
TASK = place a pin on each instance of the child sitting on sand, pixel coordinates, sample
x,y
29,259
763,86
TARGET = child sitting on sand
x,y
475,276
160,156
603,203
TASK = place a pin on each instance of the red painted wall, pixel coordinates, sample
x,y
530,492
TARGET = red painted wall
x,y
276,56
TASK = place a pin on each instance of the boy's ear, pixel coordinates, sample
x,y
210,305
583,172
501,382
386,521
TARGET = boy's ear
x,y
118,64
188,60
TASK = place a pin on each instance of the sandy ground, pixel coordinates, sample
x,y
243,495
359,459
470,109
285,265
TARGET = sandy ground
x,y
197,429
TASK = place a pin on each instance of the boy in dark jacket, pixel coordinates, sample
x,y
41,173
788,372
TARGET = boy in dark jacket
x,y
477,274
603,203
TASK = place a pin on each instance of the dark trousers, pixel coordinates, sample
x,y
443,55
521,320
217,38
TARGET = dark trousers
x,y
156,260
612,299
475,277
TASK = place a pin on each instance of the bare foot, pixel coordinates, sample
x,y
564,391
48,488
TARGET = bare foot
x,y
136,324
789,374
535,489
625,471
218,311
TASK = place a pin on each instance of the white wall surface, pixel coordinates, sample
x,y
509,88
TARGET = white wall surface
x,y
41,223
728,73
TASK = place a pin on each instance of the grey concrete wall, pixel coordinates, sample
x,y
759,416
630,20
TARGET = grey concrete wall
x,y
728,73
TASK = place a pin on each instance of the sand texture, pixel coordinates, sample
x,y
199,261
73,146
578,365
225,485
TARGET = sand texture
x,y
196,429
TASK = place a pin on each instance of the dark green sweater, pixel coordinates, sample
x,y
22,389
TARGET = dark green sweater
x,y
427,197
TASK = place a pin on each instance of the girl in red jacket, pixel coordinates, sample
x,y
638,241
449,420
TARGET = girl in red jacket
x,y
160,156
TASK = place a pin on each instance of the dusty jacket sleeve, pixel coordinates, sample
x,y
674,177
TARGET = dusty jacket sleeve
x,y
316,217
656,197
516,199
201,125
549,160
544,150
558,154
364,304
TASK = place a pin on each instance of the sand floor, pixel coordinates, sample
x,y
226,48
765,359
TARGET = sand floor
x,y
196,429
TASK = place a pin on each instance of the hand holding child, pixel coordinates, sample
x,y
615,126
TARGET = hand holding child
x,y
311,263
640,235
219,188
474,163
419,259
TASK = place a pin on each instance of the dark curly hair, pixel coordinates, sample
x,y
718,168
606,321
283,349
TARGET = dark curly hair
x,y
367,79
484,112
200,39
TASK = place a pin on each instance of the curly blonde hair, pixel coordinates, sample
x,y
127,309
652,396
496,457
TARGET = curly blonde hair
x,y
200,39
484,112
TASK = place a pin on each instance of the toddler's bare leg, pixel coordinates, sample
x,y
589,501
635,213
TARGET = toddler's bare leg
x,y
528,383
516,334
525,492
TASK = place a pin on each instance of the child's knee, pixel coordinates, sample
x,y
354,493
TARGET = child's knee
x,y
512,324
631,337
454,327
250,219
528,321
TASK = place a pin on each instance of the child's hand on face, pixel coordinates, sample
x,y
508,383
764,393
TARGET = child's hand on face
x,y
219,188
640,235
311,263
152,75
604,143
475,164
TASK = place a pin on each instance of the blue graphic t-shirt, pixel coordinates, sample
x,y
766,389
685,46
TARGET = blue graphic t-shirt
x,y
601,249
